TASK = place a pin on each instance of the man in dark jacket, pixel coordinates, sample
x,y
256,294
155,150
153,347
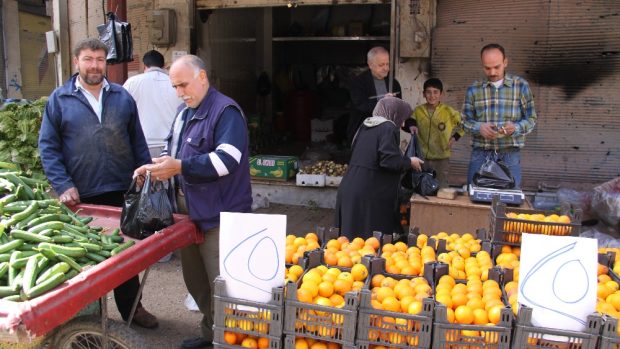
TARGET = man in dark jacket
x,y
90,142
208,158
369,87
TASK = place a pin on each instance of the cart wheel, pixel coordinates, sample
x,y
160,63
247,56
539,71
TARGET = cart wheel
x,y
85,333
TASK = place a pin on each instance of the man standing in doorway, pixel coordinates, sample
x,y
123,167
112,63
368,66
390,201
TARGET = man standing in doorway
x,y
90,142
498,112
208,157
369,87
156,100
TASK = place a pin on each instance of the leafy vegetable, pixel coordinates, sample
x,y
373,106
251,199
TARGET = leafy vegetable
x,y
19,134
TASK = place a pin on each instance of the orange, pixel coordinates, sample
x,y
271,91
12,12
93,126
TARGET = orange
x,y
359,272
459,299
406,301
444,299
263,343
464,315
313,275
376,280
342,286
475,303
384,292
330,258
249,343
310,286
495,314
373,242
345,261
240,337
448,280
450,315
357,285
326,289
391,304
300,343
480,316
230,338
304,295
415,307
332,345
318,345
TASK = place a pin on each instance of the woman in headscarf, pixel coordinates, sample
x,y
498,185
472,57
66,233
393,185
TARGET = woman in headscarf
x,y
368,194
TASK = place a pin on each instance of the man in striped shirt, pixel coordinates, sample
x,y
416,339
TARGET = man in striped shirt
x,y
498,112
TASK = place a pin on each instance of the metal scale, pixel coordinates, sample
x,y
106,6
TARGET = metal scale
x,y
507,196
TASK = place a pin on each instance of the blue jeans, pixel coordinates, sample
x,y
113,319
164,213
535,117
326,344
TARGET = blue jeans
x,y
512,160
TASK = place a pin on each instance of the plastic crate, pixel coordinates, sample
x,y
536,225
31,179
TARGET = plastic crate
x,y
219,342
452,335
249,317
407,331
508,231
310,180
530,336
609,334
289,343
333,181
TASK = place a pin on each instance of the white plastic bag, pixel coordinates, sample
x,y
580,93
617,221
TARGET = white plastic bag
x,y
190,303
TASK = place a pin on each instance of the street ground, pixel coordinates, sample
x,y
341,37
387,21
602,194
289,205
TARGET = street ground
x,y
164,293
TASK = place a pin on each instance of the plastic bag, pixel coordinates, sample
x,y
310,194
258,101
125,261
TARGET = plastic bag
x,y
116,35
577,199
424,182
606,202
494,174
150,212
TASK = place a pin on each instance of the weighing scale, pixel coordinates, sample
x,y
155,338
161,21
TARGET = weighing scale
x,y
507,196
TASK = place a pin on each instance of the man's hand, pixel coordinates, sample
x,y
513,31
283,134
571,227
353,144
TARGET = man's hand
x,y
416,163
488,131
163,168
508,128
70,197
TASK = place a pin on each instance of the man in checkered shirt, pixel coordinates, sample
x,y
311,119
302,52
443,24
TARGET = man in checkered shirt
x,y
498,112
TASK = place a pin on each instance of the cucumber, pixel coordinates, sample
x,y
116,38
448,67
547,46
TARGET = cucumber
x,y
4,257
55,225
68,251
30,272
122,247
73,264
48,218
90,247
95,257
58,268
8,291
16,218
62,239
11,245
13,298
105,253
18,181
4,267
46,285
29,237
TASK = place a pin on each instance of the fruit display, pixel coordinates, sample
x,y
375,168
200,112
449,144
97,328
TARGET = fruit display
x,y
530,223
246,341
42,242
408,261
344,253
295,246
329,168
328,286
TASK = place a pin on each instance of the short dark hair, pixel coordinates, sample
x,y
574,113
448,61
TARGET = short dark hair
x,y
92,44
433,82
493,46
153,59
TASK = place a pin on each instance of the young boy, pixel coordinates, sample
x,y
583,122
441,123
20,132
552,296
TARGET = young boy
x,y
438,126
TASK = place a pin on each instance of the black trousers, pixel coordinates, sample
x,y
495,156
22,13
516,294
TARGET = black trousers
x,y
124,294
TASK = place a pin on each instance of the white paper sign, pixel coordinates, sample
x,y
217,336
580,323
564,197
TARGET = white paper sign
x,y
557,278
252,254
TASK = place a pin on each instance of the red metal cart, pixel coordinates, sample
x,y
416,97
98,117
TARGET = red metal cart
x,y
45,319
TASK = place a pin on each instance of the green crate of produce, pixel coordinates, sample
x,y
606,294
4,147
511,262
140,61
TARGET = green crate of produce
x,y
273,166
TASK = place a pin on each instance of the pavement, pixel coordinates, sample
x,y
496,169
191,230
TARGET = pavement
x,y
165,293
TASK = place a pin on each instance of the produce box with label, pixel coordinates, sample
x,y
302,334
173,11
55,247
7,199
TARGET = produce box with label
x,y
273,166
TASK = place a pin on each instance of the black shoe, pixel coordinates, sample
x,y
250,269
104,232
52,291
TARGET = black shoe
x,y
195,343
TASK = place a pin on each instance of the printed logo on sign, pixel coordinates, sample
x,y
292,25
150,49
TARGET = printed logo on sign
x,y
269,162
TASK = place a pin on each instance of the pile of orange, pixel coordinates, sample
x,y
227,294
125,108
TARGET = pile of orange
x,y
296,246
475,302
465,244
328,286
466,267
242,339
293,273
401,296
555,225
311,343
509,259
403,260
344,253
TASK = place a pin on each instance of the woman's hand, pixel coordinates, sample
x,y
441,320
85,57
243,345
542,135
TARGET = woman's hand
x,y
416,163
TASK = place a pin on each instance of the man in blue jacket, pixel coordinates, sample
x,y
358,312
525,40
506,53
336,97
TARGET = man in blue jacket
x,y
90,142
208,158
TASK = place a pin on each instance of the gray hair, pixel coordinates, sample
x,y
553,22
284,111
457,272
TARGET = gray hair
x,y
370,56
92,44
194,62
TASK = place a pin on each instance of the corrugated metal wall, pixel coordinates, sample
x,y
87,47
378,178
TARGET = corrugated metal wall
x,y
569,51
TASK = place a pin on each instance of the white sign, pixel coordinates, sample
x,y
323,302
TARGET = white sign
x,y
178,54
252,254
558,280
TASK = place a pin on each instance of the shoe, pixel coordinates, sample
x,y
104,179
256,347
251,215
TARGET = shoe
x,y
145,319
195,343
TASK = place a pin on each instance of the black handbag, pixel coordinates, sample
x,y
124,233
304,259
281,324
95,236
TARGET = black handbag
x,y
494,174
423,182
146,210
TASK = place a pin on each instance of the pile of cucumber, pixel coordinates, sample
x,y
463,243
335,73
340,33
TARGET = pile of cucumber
x,y
42,242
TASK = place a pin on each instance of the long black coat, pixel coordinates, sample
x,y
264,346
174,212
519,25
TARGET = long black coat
x,y
368,193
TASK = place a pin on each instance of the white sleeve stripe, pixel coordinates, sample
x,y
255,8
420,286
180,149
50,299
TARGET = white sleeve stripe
x,y
218,164
230,150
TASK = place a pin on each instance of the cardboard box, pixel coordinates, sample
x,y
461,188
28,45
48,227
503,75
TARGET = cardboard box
x,y
273,166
